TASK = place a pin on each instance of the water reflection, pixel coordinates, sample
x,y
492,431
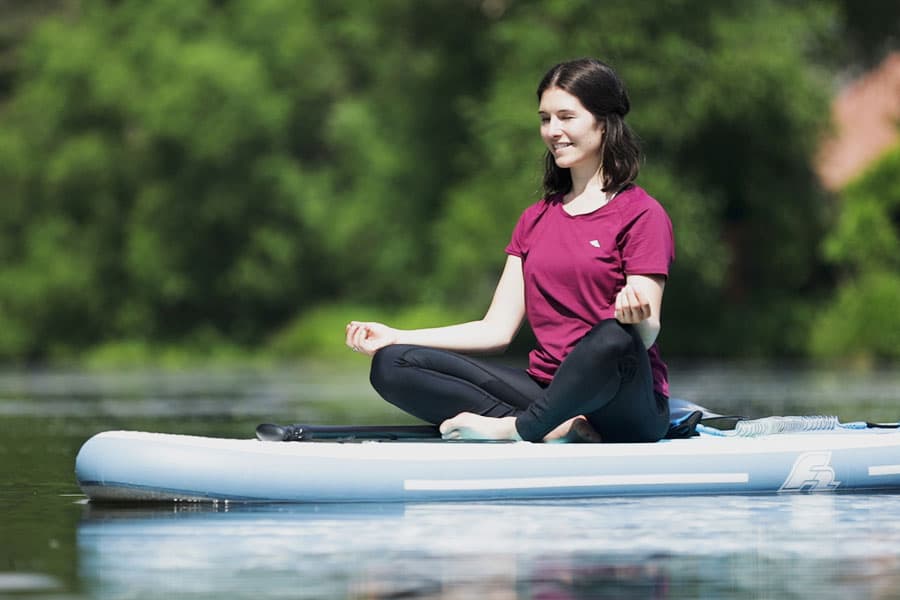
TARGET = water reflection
x,y
829,546
792,546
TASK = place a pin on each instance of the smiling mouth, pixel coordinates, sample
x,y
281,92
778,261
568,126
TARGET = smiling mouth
x,y
560,146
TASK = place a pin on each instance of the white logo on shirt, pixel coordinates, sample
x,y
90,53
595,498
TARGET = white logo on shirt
x,y
595,243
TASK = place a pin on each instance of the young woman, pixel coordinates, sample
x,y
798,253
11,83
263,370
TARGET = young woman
x,y
586,265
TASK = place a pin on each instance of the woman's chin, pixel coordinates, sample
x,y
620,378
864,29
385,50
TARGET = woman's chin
x,y
567,162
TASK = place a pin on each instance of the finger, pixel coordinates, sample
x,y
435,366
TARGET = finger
x,y
631,317
634,305
619,300
620,312
369,346
646,311
624,304
352,334
357,334
359,339
641,306
621,303
632,298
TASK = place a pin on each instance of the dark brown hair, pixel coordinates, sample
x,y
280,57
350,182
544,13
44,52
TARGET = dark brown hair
x,y
601,92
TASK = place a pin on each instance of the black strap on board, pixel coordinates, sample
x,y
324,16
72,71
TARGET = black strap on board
x,y
269,432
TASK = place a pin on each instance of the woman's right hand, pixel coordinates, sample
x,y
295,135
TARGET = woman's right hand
x,y
369,337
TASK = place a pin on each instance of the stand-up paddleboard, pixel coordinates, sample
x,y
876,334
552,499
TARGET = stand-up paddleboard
x,y
137,466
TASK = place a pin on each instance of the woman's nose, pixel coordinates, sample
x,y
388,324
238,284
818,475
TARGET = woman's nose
x,y
553,127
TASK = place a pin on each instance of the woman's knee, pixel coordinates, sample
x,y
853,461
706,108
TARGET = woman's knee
x,y
385,369
617,349
610,339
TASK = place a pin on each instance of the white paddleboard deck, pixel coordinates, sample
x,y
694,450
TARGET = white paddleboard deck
x,y
139,466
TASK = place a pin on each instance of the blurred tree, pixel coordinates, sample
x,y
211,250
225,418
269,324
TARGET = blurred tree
x,y
16,20
143,142
729,105
862,320
392,139
207,170
872,29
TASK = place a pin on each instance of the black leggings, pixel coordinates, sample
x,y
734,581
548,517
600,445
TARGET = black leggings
x,y
606,377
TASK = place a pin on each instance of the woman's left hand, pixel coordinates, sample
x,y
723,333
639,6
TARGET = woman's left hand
x,y
631,306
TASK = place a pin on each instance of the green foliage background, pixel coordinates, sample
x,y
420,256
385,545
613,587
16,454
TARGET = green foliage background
x,y
233,176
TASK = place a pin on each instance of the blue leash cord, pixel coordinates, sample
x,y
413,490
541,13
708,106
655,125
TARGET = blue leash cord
x,y
776,425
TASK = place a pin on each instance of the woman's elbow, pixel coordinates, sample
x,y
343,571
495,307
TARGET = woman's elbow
x,y
501,345
649,330
499,335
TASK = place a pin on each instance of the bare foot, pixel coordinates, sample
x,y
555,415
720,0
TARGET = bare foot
x,y
577,429
469,426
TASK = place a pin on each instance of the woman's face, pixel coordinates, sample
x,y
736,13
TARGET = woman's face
x,y
569,130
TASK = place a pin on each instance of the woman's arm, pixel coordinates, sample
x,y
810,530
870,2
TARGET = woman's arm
x,y
494,332
639,303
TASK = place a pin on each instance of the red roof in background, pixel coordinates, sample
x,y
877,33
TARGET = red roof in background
x,y
866,121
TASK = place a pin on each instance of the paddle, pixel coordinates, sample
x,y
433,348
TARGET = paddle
x,y
684,417
269,432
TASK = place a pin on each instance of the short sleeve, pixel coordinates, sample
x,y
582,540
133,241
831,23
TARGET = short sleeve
x,y
516,246
646,241
524,229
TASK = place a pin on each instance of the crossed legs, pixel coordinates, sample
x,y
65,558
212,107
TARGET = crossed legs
x,y
606,378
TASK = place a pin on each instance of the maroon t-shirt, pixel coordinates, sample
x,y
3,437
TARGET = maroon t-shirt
x,y
574,266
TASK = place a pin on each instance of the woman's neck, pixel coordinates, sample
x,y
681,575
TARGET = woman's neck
x,y
587,192
585,177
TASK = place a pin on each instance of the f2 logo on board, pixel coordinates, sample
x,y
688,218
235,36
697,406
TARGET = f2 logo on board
x,y
812,472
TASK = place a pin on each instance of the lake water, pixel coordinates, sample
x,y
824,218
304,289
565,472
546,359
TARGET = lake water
x,y
53,544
